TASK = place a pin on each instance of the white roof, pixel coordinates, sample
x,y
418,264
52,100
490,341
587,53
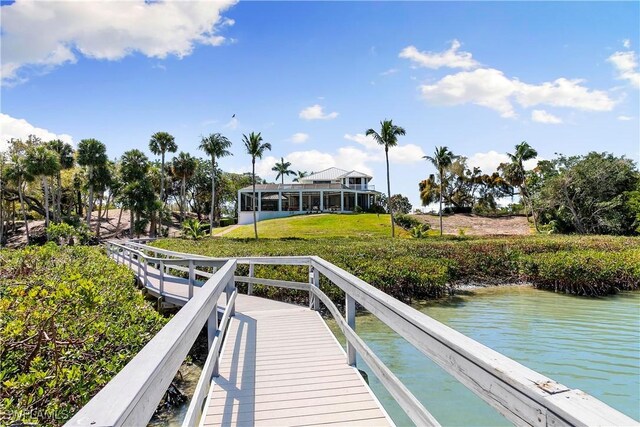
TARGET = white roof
x,y
355,174
325,175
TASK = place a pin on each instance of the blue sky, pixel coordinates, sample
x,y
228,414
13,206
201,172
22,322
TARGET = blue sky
x,y
312,77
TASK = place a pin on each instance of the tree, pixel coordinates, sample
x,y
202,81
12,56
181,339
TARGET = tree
x,y
18,173
66,160
515,174
400,204
300,175
255,148
43,163
442,159
388,137
91,154
588,194
183,168
159,144
283,169
216,146
137,195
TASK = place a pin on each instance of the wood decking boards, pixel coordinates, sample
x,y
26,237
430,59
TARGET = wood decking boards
x,y
281,366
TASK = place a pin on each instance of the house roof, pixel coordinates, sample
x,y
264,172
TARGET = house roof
x,y
325,175
354,174
299,187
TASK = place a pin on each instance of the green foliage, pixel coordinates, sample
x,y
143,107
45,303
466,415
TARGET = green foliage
x,y
420,231
193,229
224,222
70,319
400,204
588,194
60,234
407,222
415,268
588,272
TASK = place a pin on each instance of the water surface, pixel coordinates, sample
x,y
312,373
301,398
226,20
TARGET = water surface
x,y
592,344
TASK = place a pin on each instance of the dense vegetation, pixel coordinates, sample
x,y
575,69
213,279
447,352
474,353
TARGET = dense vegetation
x,y
70,319
423,268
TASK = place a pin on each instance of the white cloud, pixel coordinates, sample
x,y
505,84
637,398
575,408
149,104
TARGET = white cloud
x,y
389,72
490,88
299,138
316,112
11,127
232,124
41,35
542,116
450,58
402,153
488,162
625,118
626,64
626,43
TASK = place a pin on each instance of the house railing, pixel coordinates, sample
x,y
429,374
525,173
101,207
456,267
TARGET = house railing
x,y
523,396
363,187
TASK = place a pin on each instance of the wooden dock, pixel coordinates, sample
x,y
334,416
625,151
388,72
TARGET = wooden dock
x,y
282,366
277,364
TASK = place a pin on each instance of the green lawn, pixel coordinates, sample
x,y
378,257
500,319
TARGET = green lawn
x,y
321,225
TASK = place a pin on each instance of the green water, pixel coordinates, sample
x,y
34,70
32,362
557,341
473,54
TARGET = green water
x,y
589,344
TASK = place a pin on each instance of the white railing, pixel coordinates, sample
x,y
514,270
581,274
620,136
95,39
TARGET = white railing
x,y
132,396
522,395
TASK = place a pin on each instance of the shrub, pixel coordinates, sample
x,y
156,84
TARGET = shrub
x,y
60,234
420,231
70,319
193,229
406,221
227,221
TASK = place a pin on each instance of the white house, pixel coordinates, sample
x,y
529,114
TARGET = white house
x,y
330,190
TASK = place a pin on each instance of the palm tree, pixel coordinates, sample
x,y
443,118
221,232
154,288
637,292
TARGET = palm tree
x,y
442,159
301,174
92,154
137,193
516,176
255,148
283,169
388,137
43,163
18,173
183,167
159,144
215,145
66,160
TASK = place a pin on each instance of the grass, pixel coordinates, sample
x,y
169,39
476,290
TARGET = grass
x,y
321,226
410,269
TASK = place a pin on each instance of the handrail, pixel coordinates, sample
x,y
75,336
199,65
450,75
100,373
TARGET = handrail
x,y
522,395
132,396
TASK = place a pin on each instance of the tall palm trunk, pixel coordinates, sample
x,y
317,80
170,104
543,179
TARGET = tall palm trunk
x,y
59,197
119,219
24,212
213,193
162,179
46,201
253,174
183,197
441,173
393,228
90,203
101,197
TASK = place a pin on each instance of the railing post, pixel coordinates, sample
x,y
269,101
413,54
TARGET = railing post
x,y
130,258
161,277
314,280
350,315
146,264
250,285
212,329
192,277
231,286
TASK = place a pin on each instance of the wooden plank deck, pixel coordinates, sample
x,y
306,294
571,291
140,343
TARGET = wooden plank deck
x,y
282,366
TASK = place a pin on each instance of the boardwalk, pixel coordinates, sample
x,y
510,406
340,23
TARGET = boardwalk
x,y
276,364
281,366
